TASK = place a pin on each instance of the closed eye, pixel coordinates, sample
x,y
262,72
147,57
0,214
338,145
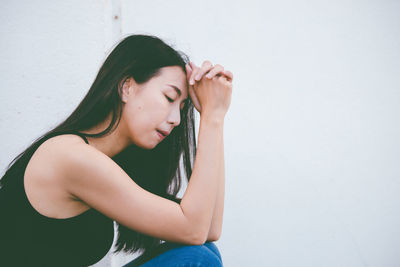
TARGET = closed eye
x,y
169,99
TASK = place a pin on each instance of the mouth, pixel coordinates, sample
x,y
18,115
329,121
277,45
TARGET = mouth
x,y
164,133
161,134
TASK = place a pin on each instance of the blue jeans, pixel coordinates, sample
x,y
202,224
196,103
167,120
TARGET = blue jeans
x,y
176,254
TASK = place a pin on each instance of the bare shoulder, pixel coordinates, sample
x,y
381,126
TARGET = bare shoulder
x,y
69,154
50,153
77,163
62,141
44,176
54,150
56,162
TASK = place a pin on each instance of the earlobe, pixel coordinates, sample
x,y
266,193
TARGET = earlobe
x,y
124,98
124,92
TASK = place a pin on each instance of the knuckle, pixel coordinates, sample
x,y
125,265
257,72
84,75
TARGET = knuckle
x,y
211,71
207,63
219,66
227,83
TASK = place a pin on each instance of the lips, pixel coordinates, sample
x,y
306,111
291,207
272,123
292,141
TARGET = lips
x,y
164,133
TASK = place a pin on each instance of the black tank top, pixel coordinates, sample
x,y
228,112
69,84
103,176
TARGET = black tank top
x,y
29,238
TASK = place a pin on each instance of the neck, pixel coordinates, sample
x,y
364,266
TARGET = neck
x,y
113,142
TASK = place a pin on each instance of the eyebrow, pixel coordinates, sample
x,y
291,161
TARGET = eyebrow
x,y
176,89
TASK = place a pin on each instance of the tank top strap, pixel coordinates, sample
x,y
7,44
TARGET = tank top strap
x,y
72,132
82,135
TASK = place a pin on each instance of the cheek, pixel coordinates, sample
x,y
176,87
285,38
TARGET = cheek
x,y
157,109
147,116
143,119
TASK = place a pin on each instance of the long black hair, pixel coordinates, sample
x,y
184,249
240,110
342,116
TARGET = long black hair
x,y
157,170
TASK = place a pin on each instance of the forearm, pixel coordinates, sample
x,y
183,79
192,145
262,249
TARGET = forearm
x,y
217,219
200,196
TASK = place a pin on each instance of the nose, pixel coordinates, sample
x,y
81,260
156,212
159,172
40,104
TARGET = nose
x,y
174,117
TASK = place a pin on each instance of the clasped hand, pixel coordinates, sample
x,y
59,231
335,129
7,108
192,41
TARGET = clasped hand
x,y
212,92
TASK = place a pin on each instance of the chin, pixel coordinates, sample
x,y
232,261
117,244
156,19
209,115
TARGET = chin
x,y
144,144
148,145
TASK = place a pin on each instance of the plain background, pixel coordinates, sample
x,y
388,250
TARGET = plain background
x,y
312,135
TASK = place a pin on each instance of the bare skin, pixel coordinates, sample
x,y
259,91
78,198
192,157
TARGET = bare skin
x,y
66,177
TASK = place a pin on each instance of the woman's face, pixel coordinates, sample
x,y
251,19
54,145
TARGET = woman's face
x,y
147,109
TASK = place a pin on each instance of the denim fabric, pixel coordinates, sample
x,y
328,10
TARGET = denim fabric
x,y
176,254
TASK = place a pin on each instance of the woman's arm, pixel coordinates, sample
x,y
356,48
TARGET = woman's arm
x,y
216,224
206,175
215,230
217,219
98,181
196,73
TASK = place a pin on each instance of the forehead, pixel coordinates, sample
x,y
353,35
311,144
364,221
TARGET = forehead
x,y
175,78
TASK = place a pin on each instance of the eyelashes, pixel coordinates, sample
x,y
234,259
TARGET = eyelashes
x,y
171,101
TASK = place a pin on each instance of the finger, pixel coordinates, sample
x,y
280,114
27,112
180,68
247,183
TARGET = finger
x,y
228,74
217,69
192,65
193,98
205,67
188,71
192,93
192,75
194,71
188,67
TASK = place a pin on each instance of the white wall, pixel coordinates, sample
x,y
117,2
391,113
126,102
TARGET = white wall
x,y
311,138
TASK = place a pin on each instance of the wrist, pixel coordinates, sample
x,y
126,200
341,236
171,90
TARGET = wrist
x,y
213,118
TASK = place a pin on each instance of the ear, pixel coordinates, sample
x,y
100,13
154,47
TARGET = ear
x,y
126,88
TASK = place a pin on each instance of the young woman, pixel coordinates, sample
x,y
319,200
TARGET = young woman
x,y
118,157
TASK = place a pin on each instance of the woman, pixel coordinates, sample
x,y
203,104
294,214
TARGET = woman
x,y
117,158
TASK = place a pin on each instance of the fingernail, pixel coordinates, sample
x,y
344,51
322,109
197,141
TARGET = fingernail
x,y
198,77
191,82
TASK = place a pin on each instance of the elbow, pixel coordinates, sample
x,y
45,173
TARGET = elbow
x,y
213,236
209,236
198,241
199,237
